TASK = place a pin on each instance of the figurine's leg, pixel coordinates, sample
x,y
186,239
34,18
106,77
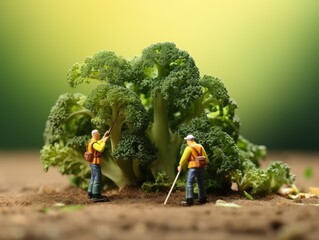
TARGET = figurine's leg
x,y
90,187
189,185
201,185
96,190
97,180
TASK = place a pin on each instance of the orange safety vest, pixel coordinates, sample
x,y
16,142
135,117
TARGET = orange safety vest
x,y
97,159
191,160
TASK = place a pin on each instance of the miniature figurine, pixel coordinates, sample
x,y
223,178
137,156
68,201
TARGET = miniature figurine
x,y
194,153
96,146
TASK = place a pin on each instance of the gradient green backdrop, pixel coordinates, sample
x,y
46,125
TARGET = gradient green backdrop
x,y
266,53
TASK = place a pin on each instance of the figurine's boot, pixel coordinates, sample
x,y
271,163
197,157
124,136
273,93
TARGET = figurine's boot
x,y
188,202
202,200
100,198
90,195
97,197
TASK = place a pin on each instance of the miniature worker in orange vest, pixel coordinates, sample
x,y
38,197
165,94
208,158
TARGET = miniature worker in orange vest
x,y
96,146
194,171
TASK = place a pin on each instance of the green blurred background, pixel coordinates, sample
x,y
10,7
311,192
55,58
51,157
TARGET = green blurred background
x,y
266,53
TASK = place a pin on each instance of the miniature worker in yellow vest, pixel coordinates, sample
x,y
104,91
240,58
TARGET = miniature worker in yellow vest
x,y
194,172
96,146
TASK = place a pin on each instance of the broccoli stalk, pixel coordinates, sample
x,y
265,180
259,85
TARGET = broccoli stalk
x,y
170,77
160,135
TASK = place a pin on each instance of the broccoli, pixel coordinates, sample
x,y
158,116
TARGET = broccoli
x,y
75,114
168,77
103,66
154,100
217,104
253,152
254,181
130,146
65,135
160,184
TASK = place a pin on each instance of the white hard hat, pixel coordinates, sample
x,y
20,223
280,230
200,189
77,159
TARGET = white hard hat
x,y
189,137
94,131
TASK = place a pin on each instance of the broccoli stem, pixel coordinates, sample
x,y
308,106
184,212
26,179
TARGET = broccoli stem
x,y
83,111
160,135
199,107
115,136
136,169
111,170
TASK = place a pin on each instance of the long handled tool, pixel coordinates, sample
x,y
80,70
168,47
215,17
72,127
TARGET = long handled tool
x,y
108,132
170,191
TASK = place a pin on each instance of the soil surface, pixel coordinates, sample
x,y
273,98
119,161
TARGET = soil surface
x,y
39,205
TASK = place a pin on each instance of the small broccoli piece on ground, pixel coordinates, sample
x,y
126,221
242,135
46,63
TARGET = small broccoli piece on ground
x,y
251,179
256,181
279,175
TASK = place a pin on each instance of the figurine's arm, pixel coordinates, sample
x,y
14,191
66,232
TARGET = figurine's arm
x,y
186,155
99,145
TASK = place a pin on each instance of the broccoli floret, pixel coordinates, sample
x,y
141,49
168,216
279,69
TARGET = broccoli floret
x,y
104,66
253,152
259,182
65,136
279,174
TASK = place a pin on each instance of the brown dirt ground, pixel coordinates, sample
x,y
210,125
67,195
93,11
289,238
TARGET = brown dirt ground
x,y
29,199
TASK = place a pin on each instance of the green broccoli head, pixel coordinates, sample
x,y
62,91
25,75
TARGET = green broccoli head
x,y
136,147
65,137
166,70
218,106
111,102
68,118
104,66
253,152
215,94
